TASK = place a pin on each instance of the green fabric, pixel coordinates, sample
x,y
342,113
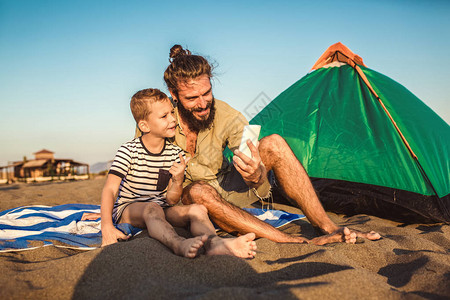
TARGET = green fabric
x,y
338,130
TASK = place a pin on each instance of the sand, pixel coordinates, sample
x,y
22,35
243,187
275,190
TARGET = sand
x,y
409,262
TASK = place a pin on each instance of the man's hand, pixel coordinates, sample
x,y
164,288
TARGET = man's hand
x,y
177,169
111,235
252,169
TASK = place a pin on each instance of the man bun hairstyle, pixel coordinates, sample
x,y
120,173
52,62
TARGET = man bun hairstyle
x,y
177,50
141,100
184,66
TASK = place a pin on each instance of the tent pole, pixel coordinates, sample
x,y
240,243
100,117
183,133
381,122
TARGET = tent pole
x,y
366,81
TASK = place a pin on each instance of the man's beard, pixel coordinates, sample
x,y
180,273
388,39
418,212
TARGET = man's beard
x,y
193,123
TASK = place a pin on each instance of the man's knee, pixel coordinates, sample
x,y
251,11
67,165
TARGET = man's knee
x,y
272,145
198,192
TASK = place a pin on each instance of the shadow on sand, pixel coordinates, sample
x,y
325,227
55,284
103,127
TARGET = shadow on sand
x,y
143,268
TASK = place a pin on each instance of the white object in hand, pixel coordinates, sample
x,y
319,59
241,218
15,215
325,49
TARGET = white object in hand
x,y
251,132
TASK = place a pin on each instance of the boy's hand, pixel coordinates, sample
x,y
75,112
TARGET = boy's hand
x,y
90,216
177,169
111,235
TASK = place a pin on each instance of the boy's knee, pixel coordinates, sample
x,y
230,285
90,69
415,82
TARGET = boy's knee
x,y
152,209
197,210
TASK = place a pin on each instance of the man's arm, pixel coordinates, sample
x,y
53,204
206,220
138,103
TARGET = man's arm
x,y
252,169
110,234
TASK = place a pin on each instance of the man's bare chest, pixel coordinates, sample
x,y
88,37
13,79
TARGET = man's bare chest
x,y
191,142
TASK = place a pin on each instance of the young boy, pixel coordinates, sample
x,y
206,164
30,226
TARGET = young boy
x,y
146,178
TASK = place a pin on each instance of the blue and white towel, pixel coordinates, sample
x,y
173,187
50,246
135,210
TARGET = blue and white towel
x,y
30,227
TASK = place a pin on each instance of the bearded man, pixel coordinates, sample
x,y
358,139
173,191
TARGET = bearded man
x,y
205,127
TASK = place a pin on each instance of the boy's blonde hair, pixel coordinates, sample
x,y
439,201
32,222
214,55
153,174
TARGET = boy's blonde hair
x,y
140,102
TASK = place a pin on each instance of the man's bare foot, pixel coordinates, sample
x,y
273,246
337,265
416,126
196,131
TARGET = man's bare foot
x,y
339,236
243,246
373,236
189,247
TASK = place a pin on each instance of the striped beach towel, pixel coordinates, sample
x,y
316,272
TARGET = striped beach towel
x,y
30,227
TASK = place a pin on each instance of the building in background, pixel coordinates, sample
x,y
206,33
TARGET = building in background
x,y
44,167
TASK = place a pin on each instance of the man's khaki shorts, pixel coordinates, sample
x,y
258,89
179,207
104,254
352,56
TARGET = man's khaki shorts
x,y
232,187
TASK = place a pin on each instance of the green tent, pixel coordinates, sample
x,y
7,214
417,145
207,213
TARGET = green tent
x,y
369,145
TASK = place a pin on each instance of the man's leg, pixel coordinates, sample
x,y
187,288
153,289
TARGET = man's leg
x,y
277,156
150,216
232,219
196,217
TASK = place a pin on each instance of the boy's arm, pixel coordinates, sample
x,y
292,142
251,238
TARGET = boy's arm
x,y
176,182
174,191
110,234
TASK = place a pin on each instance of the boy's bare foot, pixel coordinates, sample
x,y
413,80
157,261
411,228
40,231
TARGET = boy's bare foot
x,y
341,235
189,247
243,246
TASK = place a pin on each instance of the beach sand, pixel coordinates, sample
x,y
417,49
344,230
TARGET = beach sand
x,y
409,262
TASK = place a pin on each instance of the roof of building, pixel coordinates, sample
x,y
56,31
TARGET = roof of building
x,y
35,163
44,151
76,163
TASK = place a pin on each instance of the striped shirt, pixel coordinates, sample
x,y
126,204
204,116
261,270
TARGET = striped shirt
x,y
145,175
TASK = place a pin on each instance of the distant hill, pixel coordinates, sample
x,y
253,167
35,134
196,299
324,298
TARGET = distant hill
x,y
100,166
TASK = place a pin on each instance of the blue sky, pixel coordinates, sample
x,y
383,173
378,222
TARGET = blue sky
x,y
69,68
